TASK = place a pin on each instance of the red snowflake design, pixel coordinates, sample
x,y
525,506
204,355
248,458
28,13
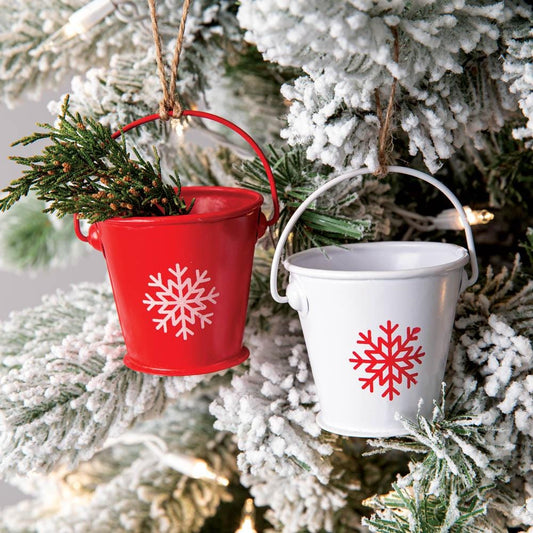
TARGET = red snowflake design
x,y
389,359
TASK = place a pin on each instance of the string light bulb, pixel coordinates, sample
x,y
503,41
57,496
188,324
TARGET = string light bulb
x,y
192,467
247,524
79,23
86,17
449,218
185,464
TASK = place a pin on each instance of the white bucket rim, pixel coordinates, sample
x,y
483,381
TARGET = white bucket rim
x,y
467,281
322,273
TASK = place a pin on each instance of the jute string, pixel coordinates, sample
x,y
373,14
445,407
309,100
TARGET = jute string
x,y
385,137
169,102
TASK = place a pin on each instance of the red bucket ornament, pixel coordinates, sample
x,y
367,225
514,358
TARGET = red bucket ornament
x,y
181,283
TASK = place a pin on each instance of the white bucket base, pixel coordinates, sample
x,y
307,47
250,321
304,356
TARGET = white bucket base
x,y
370,433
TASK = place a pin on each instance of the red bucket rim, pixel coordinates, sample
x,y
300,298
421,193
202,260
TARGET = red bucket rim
x,y
254,198
210,116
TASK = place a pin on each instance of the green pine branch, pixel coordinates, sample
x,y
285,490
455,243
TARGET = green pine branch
x,y
84,170
296,178
402,511
449,482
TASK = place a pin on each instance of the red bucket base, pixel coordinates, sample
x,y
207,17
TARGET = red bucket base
x,y
130,362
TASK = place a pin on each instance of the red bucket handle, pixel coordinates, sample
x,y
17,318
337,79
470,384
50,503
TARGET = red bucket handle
x,y
231,126
202,114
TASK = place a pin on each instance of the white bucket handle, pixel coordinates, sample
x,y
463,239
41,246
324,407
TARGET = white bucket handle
x,y
467,281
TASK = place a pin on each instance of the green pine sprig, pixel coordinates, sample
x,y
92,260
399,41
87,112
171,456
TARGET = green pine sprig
x,y
451,476
402,511
296,178
85,171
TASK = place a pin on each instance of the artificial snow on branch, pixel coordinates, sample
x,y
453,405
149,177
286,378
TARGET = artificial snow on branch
x,y
64,388
111,447
27,67
126,487
442,98
271,409
518,69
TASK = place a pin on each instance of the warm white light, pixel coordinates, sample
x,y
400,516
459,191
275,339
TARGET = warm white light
x,y
247,524
185,464
78,23
179,127
478,217
192,467
70,30
88,16
76,485
449,218
201,470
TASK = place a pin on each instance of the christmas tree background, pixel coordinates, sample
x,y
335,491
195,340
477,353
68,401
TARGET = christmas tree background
x,y
23,288
102,448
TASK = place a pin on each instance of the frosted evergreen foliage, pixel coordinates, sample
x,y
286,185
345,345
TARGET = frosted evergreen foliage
x,y
31,240
23,36
129,488
26,26
271,409
26,335
62,381
70,411
440,102
128,86
496,338
518,71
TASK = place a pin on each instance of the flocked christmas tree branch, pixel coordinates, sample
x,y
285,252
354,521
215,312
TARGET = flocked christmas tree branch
x,y
67,354
333,112
127,487
463,73
31,60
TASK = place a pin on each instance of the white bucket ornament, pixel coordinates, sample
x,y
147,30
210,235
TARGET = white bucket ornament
x,y
377,320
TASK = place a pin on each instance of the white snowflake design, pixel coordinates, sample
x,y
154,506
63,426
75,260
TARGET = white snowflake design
x,y
180,301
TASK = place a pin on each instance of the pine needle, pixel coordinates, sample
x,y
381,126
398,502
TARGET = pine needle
x,y
85,171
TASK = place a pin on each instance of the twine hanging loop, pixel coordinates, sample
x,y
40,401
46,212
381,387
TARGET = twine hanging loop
x,y
385,138
169,102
